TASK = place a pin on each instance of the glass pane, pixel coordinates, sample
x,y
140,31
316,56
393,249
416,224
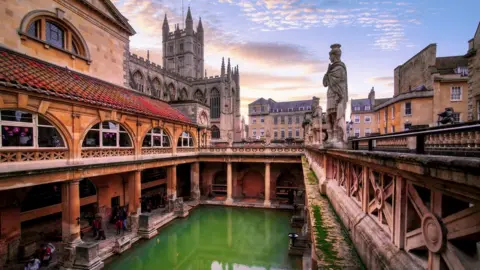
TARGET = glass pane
x,y
55,35
109,139
97,126
17,136
185,142
190,142
74,48
49,137
17,116
157,141
179,144
125,140
42,121
33,29
109,125
92,139
166,141
157,130
147,142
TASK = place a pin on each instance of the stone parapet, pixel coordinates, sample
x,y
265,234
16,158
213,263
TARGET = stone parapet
x,y
86,257
146,226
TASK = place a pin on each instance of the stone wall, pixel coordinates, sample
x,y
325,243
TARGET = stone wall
x,y
416,71
474,76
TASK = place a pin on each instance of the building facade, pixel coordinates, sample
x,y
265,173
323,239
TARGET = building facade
x,y
277,120
474,76
424,86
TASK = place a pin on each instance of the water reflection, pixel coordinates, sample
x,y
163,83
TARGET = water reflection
x,y
216,238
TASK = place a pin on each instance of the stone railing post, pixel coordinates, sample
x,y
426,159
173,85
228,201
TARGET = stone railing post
x,y
267,185
399,221
229,183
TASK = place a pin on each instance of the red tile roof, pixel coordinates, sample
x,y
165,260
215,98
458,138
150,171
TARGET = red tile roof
x,y
34,75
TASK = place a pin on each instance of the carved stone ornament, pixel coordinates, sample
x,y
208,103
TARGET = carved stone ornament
x,y
433,233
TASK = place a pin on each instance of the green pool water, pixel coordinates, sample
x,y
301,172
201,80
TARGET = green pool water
x,y
224,238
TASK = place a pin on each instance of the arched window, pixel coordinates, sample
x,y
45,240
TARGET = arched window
x,y
24,129
156,137
138,79
215,132
46,27
198,96
215,104
183,94
156,87
107,134
185,140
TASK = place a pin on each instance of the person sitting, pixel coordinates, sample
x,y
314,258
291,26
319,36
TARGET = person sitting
x,y
32,264
46,255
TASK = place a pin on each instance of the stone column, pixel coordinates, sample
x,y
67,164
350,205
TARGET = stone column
x,y
195,178
172,182
267,185
70,222
71,212
229,183
134,192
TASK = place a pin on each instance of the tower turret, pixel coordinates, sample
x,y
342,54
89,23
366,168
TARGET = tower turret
x,y
222,72
189,23
229,70
200,30
165,29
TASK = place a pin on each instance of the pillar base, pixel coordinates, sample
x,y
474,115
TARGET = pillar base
x,y
122,244
267,203
229,201
85,258
146,226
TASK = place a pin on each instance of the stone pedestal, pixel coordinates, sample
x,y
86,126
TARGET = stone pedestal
x,y
122,244
179,208
132,223
86,257
146,226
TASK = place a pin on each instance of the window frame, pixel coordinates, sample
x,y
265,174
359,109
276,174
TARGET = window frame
x,y
355,132
215,130
215,104
393,112
101,130
460,94
367,133
405,109
367,117
189,139
35,132
162,134
355,118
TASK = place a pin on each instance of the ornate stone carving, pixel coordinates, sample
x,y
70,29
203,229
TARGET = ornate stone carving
x,y
337,96
433,233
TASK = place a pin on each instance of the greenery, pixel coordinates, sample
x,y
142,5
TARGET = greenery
x,y
329,255
312,178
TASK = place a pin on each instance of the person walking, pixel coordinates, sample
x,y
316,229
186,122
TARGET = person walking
x,y
118,225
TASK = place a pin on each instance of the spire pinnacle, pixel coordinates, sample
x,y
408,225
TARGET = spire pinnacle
x,y
189,15
223,67
200,25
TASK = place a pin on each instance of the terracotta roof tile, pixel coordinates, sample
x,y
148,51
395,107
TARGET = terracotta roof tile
x,y
35,75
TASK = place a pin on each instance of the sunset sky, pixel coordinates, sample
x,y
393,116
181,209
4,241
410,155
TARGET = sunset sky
x,y
282,46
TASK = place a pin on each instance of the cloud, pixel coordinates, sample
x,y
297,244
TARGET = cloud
x,y
386,81
387,23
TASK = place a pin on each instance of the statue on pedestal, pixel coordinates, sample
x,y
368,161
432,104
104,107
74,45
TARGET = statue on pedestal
x,y
337,96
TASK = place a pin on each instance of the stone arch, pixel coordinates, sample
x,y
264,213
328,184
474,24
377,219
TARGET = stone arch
x,y
183,94
188,135
215,132
156,85
35,14
171,92
199,96
138,81
165,131
253,184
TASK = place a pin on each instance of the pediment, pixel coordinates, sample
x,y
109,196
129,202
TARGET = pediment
x,y
107,9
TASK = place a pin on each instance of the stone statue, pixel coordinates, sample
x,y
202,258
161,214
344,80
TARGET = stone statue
x,y
337,96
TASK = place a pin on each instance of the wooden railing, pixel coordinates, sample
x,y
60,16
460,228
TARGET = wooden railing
x,y
458,140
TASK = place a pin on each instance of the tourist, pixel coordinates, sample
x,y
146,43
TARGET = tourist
x,y
95,226
124,218
118,225
101,232
32,264
46,255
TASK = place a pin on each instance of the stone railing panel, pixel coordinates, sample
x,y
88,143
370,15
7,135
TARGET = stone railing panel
x,y
107,152
32,155
156,151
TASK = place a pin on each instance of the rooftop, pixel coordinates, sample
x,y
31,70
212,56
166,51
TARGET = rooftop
x,y
34,75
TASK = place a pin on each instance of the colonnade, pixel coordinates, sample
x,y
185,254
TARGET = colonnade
x,y
267,180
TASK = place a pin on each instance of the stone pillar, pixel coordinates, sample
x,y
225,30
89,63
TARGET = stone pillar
x,y
267,185
229,183
195,178
134,192
171,186
70,222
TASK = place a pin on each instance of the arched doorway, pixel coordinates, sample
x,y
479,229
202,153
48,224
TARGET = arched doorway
x,y
253,185
219,183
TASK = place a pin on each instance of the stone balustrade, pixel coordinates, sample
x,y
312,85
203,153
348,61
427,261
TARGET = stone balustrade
x,y
21,155
458,140
405,211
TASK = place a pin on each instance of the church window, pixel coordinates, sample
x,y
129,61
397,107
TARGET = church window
x,y
138,79
215,132
185,140
24,129
107,134
156,137
199,96
215,104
